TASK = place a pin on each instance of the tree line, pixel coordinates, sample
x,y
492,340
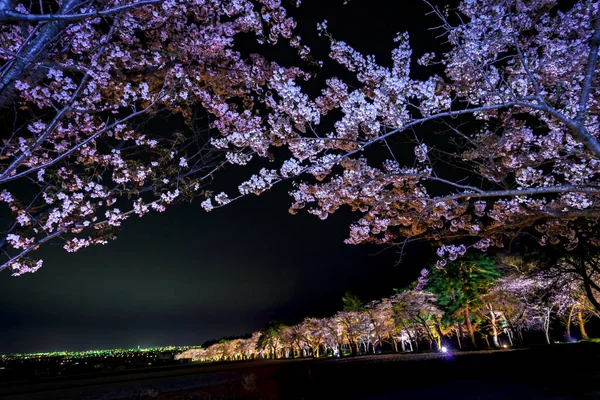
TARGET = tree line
x,y
472,302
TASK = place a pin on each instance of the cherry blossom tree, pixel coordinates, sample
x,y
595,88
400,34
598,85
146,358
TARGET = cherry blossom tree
x,y
577,273
80,83
539,298
334,332
511,106
417,313
504,132
312,335
381,316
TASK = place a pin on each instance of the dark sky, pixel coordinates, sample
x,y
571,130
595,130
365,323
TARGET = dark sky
x,y
185,276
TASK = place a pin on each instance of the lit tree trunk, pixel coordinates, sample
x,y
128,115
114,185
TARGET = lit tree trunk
x,y
430,338
459,334
494,327
410,337
547,325
508,329
470,326
568,324
581,325
438,330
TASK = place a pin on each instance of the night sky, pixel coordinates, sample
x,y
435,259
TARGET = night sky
x,y
186,276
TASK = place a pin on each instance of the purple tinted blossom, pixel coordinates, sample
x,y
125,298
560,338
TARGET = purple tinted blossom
x,y
207,205
422,280
421,152
222,199
19,242
20,268
6,197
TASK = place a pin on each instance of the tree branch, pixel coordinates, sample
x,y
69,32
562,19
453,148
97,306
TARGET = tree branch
x,y
11,15
27,54
589,72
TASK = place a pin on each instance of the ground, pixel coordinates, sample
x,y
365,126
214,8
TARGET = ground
x,y
557,372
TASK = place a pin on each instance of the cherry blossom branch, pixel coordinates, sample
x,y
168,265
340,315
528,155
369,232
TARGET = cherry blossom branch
x,y
4,178
6,174
32,247
590,71
580,130
11,15
534,81
509,193
28,54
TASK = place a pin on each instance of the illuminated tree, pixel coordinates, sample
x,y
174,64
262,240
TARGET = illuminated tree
x,y
381,317
460,287
269,340
334,332
354,326
291,338
511,107
504,132
312,334
583,265
416,311
80,83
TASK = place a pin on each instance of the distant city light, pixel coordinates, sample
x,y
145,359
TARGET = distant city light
x,y
67,356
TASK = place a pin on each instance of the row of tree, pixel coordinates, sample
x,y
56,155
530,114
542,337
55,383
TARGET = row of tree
x,y
471,301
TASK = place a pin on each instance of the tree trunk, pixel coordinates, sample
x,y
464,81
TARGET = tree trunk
x,y
568,325
353,349
431,338
584,335
508,329
459,334
470,326
520,332
438,330
547,325
494,328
